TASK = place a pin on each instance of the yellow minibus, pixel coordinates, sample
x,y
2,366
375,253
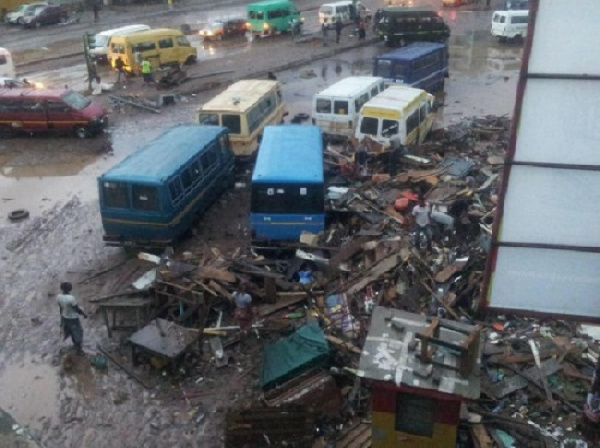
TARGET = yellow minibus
x,y
163,48
245,108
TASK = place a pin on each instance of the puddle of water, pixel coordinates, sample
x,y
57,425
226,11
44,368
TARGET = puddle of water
x,y
30,391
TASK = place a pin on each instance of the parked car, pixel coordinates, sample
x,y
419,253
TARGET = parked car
x,y
17,16
223,29
46,15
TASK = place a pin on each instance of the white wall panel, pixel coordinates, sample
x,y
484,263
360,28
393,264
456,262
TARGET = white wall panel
x,y
547,281
552,206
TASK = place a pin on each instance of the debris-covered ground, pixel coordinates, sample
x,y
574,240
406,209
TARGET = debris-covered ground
x,y
293,380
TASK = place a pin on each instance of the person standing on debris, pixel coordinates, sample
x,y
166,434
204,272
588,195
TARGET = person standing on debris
x,y
338,30
305,274
360,158
396,151
243,309
69,316
422,214
147,72
120,66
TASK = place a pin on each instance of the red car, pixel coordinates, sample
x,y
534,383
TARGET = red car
x,y
38,110
45,15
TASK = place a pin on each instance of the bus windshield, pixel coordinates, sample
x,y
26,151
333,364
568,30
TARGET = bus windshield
x,y
287,198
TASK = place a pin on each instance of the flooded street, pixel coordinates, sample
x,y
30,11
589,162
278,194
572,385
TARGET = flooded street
x,y
67,403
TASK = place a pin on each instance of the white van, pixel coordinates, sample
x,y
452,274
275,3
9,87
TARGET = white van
x,y
330,13
101,40
335,109
510,24
7,67
397,111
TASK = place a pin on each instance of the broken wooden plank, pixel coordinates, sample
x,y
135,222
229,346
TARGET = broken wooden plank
x,y
344,345
215,274
444,275
125,369
265,310
481,436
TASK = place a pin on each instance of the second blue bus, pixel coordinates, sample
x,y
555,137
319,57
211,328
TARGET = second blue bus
x,y
152,197
288,185
422,65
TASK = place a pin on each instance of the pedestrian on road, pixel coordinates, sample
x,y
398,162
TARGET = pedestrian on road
x,y
325,30
147,72
96,11
69,316
361,30
422,214
338,30
120,66
243,309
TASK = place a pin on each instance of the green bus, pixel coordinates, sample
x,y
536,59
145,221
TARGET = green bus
x,y
273,16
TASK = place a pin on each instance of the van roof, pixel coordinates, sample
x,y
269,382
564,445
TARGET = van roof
x,y
150,33
412,51
350,86
123,29
268,4
290,153
513,12
162,157
343,2
13,93
409,11
240,95
395,98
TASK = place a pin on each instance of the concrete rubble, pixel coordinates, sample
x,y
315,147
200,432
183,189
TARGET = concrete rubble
x,y
533,376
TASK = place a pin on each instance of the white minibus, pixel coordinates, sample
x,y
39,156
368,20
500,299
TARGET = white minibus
x,y
343,11
335,109
510,24
398,111
100,50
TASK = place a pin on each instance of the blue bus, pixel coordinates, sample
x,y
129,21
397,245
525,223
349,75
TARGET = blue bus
x,y
422,65
151,198
288,186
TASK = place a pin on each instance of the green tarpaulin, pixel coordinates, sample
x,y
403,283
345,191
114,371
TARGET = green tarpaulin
x,y
294,355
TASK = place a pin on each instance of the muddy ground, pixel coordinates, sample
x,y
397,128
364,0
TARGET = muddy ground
x,y
66,402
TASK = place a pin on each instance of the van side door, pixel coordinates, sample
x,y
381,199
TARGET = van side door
x,y
33,114
60,115
168,54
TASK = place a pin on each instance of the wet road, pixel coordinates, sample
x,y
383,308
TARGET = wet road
x,y
54,178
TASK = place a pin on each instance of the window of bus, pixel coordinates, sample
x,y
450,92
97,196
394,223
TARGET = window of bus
x,y
412,122
145,198
143,46
287,199
358,103
323,106
116,195
232,122
369,125
423,112
175,190
117,48
256,15
389,128
209,119
165,43
183,42
340,107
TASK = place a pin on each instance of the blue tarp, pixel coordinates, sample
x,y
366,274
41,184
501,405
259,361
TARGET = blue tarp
x,y
289,357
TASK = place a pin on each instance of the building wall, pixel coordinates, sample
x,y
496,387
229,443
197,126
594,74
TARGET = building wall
x,y
446,412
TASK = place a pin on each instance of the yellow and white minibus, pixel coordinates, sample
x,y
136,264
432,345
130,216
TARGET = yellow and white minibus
x,y
245,108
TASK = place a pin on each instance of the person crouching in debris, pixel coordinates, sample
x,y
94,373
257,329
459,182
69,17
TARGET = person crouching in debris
x,y
69,316
243,309
422,214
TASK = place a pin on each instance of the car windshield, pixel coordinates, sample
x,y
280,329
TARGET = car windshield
x,y
75,100
20,8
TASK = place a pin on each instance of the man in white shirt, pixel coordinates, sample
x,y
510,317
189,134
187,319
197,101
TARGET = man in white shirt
x,y
69,316
422,214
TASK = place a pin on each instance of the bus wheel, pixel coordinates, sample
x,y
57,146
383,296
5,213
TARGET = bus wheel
x,y
81,132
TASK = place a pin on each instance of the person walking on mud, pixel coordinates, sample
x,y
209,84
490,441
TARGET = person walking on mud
x,y
69,316
96,8
338,30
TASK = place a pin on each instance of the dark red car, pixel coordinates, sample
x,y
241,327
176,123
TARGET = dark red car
x,y
45,15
